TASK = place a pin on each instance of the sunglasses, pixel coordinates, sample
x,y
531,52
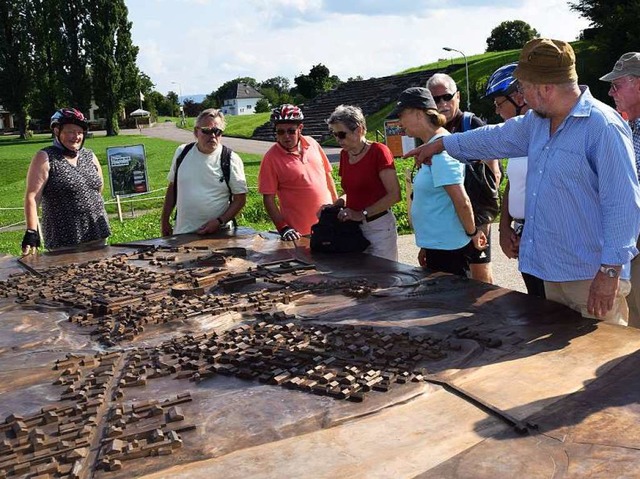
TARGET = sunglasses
x,y
288,131
614,87
340,135
445,97
210,131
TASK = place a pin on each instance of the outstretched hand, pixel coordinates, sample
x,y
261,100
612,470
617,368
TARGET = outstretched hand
x,y
423,153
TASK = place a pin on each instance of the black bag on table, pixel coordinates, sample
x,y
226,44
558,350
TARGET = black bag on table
x,y
330,235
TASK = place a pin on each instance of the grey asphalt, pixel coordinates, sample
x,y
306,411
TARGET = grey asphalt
x,y
505,270
170,131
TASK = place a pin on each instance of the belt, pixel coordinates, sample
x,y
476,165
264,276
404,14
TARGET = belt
x,y
376,216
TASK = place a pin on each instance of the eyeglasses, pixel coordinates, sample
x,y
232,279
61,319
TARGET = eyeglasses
x,y
340,135
614,87
288,131
499,104
521,87
210,131
445,97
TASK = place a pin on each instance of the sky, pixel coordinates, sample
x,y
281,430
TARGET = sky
x,y
194,46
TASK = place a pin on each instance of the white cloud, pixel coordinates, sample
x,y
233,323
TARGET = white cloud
x,y
203,43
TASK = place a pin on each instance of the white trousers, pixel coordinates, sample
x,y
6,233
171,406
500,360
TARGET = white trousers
x,y
383,235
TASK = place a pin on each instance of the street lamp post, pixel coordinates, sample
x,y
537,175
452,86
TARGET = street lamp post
x,y
466,68
182,121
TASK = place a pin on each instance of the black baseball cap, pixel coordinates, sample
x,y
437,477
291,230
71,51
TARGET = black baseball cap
x,y
414,97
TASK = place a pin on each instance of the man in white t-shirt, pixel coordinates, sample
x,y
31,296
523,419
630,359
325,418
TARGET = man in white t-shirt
x,y
502,89
204,202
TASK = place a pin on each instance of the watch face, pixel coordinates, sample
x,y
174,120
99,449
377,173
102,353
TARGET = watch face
x,y
610,272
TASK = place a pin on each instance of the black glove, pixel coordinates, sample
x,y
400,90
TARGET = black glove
x,y
31,238
287,233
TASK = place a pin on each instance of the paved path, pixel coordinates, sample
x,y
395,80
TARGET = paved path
x,y
505,271
169,131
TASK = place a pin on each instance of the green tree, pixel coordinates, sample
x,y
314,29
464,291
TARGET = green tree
x,y
279,84
262,105
510,35
160,104
615,22
112,56
48,78
191,108
317,81
172,101
211,101
145,86
17,59
76,76
271,96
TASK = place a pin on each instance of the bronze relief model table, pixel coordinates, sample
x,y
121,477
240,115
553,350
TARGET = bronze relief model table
x,y
244,356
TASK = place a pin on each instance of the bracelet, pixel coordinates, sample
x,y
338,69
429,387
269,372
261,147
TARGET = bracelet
x,y
475,232
219,219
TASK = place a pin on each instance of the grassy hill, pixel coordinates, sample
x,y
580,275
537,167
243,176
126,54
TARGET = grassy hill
x,y
480,68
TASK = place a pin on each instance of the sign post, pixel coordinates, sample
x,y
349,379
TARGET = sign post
x,y
127,172
396,138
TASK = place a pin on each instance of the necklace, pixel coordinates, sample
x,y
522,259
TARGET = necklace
x,y
353,155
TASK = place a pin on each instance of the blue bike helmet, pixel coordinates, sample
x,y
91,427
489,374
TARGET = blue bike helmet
x,y
502,82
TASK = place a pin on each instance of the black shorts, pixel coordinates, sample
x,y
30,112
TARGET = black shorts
x,y
454,261
484,256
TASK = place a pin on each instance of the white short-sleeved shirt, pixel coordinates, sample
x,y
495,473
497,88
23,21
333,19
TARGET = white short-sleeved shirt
x,y
202,191
517,174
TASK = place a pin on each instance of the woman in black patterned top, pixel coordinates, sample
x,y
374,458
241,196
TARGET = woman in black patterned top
x,y
66,179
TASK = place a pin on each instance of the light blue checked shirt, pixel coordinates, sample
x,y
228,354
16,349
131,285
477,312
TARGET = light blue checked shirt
x,y
582,203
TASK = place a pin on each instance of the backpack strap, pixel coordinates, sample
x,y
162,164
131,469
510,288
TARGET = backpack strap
x,y
466,121
225,163
183,153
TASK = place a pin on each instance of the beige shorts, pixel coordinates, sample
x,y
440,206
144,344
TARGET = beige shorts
x,y
575,294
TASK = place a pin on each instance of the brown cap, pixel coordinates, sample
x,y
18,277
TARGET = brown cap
x,y
629,64
546,61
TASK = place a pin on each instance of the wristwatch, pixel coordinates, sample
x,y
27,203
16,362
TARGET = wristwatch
x,y
609,271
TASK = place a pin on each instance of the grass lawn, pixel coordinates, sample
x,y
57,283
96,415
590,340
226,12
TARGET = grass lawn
x,y
141,213
238,126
